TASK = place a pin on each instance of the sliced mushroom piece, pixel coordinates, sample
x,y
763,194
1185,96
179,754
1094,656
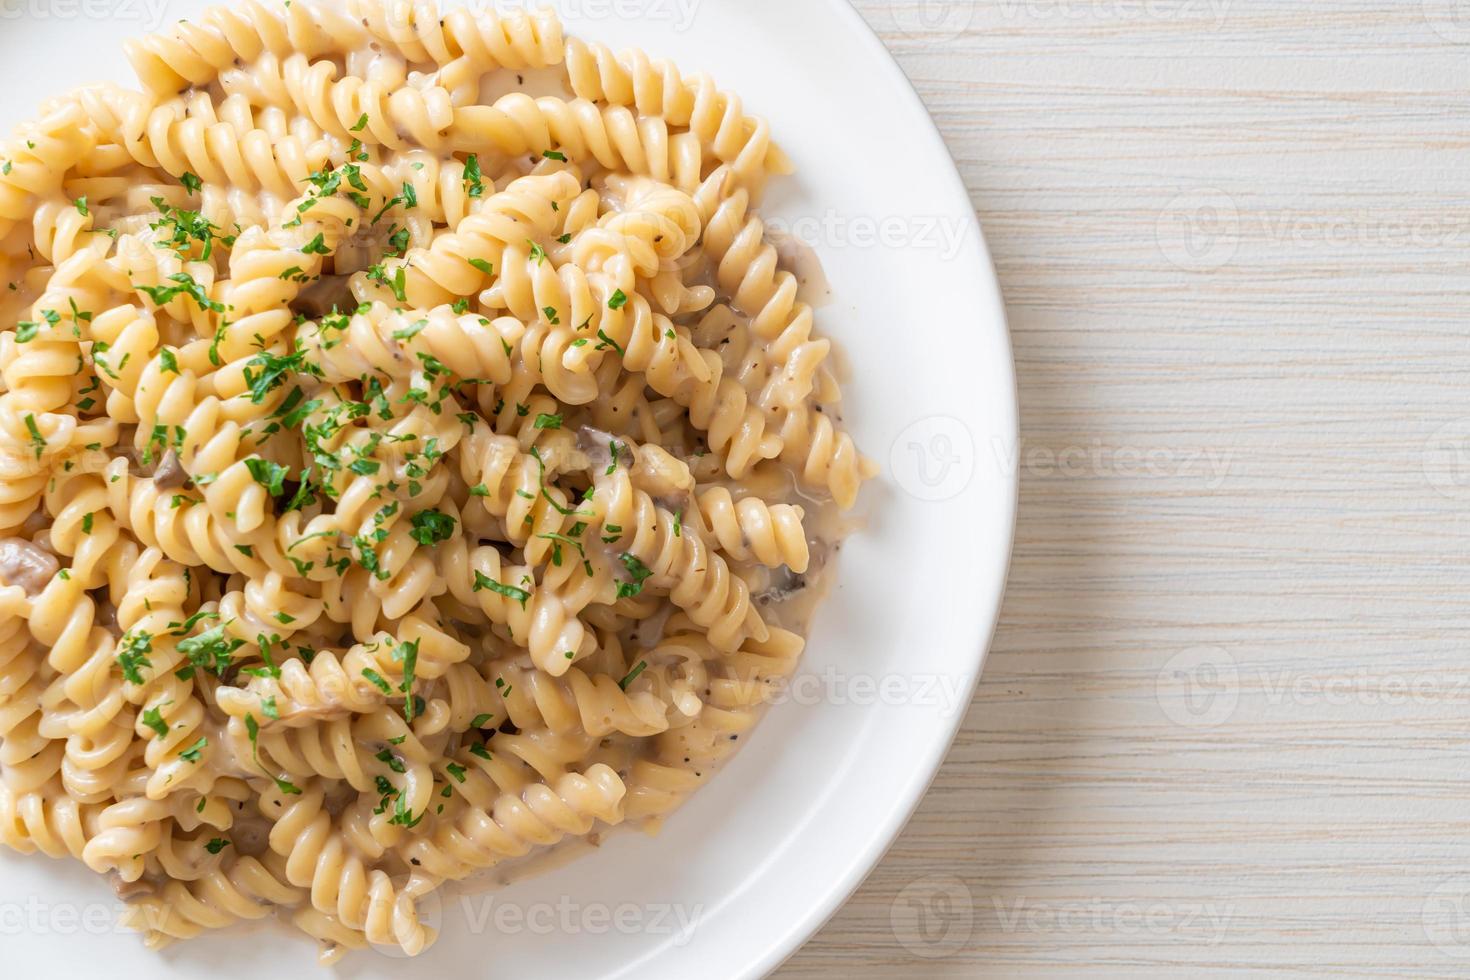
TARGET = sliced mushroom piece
x,y
323,296
130,891
597,445
170,474
27,565
107,616
250,835
784,584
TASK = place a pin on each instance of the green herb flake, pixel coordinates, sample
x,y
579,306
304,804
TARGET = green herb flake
x,y
270,475
133,655
430,527
153,718
484,582
252,728
639,573
633,674
376,679
195,752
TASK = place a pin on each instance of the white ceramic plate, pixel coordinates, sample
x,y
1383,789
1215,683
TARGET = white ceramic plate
x,y
751,867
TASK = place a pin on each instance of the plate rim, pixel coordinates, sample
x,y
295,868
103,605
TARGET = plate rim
x,y
804,929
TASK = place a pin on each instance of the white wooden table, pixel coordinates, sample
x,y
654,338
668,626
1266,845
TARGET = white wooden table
x,y
1226,722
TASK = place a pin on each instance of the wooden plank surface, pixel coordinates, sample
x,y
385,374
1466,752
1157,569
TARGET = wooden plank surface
x,y
1224,723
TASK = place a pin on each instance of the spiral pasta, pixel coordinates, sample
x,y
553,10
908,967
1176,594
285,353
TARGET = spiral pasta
x,y
396,480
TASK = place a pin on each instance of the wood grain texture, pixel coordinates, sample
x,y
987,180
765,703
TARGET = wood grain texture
x,y
1224,724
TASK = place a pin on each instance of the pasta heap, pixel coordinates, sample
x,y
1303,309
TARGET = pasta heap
x,y
403,472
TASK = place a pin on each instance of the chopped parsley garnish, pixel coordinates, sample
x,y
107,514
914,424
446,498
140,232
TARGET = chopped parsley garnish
x,y
195,752
252,727
211,650
639,573
377,680
484,582
410,331
430,527
266,371
133,655
633,674
185,228
408,655
270,475
37,440
153,718
473,179
604,342
187,286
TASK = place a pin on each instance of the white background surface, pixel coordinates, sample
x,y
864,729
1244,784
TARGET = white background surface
x,y
760,857
1317,337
